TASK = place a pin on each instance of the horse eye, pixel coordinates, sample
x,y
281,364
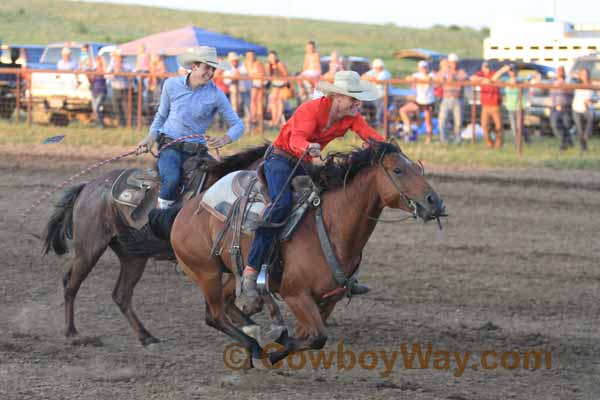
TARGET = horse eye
x,y
398,170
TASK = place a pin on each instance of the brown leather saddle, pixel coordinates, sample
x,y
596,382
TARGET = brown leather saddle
x,y
135,191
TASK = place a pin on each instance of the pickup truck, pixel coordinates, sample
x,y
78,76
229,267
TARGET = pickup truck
x,y
14,56
58,98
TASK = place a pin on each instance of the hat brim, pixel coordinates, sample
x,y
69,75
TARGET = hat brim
x,y
367,91
187,59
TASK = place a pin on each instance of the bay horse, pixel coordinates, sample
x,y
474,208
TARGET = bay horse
x,y
357,186
86,214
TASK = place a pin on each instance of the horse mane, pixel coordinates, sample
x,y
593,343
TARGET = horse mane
x,y
238,161
338,165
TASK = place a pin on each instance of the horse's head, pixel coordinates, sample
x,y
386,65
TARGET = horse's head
x,y
401,184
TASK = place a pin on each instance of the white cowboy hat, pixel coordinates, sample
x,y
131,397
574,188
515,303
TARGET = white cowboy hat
x,y
348,83
202,54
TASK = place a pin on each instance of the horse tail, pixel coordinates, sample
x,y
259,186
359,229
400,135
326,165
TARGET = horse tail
x,y
60,224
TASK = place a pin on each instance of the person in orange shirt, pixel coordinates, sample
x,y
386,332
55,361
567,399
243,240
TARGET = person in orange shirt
x,y
313,125
255,69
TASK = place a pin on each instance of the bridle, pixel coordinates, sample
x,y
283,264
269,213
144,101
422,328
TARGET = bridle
x,y
410,204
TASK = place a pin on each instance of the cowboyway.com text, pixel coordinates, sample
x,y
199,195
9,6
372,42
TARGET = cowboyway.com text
x,y
409,356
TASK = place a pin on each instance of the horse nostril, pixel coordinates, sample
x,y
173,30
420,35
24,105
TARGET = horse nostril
x,y
431,199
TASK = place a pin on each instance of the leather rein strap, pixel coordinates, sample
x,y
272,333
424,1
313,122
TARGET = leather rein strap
x,y
331,258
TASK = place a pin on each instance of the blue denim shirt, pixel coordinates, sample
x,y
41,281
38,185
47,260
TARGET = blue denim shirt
x,y
183,111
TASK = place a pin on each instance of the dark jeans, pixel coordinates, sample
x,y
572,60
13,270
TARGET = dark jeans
x,y
170,163
277,170
589,123
560,123
98,106
119,104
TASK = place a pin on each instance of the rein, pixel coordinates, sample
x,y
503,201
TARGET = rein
x,y
409,203
100,164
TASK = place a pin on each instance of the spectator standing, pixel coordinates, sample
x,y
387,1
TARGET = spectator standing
x,y
85,61
378,73
66,63
512,104
119,85
583,108
142,60
240,90
98,83
276,68
311,68
561,102
451,99
155,81
255,70
335,66
424,102
489,98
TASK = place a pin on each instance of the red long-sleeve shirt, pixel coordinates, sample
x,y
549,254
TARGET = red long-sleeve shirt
x,y
308,123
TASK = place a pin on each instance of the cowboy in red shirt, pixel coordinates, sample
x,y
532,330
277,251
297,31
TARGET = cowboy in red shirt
x,y
313,125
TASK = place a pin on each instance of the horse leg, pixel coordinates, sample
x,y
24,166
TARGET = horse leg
x,y
310,330
86,257
209,278
132,269
278,326
249,327
326,311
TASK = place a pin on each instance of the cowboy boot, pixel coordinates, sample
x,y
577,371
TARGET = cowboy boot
x,y
249,299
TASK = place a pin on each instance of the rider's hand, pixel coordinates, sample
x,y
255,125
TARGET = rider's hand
x,y
216,142
145,145
314,149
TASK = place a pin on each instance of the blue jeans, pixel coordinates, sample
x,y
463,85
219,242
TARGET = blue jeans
x,y
584,133
170,163
513,119
559,121
447,106
277,170
98,106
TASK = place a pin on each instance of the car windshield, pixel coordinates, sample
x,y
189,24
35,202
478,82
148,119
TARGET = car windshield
x,y
52,55
592,65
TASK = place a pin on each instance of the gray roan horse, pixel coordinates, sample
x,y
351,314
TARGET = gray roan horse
x,y
87,214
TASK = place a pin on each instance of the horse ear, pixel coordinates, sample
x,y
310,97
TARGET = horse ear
x,y
392,140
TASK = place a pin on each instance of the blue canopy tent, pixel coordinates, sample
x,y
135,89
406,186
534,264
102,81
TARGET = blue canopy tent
x,y
178,41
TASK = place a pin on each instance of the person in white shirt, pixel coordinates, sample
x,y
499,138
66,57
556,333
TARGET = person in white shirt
x,y
66,63
424,101
583,108
239,89
377,73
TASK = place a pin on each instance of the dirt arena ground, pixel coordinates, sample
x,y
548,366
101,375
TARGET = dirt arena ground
x,y
514,270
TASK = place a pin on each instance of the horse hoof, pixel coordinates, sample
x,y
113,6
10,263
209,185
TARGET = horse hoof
x,y
70,333
278,333
149,340
276,356
253,331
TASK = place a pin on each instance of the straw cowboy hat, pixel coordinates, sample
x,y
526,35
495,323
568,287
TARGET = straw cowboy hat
x,y
202,54
349,84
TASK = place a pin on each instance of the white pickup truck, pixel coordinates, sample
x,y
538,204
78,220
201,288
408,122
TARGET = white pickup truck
x,y
61,96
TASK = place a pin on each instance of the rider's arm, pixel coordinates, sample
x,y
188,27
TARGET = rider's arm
x,y
303,125
365,131
162,113
236,126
